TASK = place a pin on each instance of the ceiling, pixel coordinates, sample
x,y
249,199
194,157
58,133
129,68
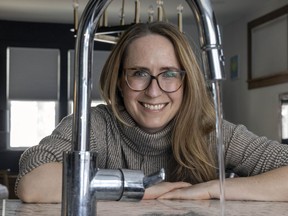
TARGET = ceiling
x,y
60,11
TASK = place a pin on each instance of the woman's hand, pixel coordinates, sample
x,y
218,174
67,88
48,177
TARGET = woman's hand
x,y
162,188
202,191
182,190
268,186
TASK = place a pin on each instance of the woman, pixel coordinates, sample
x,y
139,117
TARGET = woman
x,y
159,114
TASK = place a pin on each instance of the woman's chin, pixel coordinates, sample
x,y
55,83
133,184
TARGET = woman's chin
x,y
153,128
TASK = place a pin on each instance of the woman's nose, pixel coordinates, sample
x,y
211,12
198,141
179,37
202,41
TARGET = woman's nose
x,y
153,89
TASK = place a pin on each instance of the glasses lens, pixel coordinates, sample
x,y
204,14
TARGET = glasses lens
x,y
137,79
170,80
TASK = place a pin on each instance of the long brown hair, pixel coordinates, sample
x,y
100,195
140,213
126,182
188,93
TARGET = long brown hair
x,y
196,117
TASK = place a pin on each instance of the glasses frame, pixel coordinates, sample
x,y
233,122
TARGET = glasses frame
x,y
182,73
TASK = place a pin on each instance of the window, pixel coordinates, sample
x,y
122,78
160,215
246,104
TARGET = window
x,y
284,117
31,121
32,94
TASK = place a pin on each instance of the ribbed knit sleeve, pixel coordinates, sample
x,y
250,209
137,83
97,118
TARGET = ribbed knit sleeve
x,y
51,148
248,154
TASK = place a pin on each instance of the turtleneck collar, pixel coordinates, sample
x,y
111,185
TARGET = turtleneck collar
x,y
142,142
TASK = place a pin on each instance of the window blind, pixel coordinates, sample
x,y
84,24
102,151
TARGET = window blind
x,y
33,73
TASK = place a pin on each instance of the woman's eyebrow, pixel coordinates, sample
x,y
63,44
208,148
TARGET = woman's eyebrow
x,y
169,68
137,68
147,69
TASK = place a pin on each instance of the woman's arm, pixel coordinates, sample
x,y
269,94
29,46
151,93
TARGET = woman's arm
x,y
269,186
42,185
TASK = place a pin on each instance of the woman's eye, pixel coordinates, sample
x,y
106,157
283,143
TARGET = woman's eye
x,y
170,74
140,73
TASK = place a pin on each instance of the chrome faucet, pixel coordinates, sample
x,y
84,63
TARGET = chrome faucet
x,y
83,182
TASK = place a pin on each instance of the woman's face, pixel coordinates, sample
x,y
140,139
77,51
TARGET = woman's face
x,y
152,109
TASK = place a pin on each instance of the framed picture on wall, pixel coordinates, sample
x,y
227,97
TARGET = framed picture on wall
x,y
268,49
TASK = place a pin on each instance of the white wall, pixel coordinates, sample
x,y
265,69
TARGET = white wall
x,y
258,109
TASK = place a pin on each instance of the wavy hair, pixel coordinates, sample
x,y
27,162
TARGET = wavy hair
x,y
195,119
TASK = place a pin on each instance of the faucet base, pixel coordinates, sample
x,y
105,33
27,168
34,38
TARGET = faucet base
x,y
79,167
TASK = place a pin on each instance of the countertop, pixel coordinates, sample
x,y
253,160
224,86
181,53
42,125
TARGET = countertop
x,y
154,207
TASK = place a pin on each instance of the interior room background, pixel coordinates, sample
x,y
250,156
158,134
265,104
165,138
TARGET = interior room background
x,y
259,108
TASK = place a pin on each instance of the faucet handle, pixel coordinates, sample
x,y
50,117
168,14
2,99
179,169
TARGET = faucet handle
x,y
135,183
154,178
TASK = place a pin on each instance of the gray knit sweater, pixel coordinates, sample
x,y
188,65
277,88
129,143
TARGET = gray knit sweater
x,y
120,146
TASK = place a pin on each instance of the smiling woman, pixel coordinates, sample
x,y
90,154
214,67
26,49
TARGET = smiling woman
x,y
160,127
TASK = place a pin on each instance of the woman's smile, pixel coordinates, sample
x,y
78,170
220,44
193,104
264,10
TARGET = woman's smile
x,y
154,107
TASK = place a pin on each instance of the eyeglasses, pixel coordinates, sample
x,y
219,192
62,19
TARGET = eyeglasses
x,y
139,79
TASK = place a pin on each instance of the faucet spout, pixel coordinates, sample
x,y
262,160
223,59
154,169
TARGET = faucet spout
x,y
83,67
210,39
213,64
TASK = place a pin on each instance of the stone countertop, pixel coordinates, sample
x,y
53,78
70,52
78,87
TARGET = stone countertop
x,y
154,207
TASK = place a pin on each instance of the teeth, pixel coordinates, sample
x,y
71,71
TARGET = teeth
x,y
154,107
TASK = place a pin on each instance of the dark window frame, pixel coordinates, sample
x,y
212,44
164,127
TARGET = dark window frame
x,y
280,76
